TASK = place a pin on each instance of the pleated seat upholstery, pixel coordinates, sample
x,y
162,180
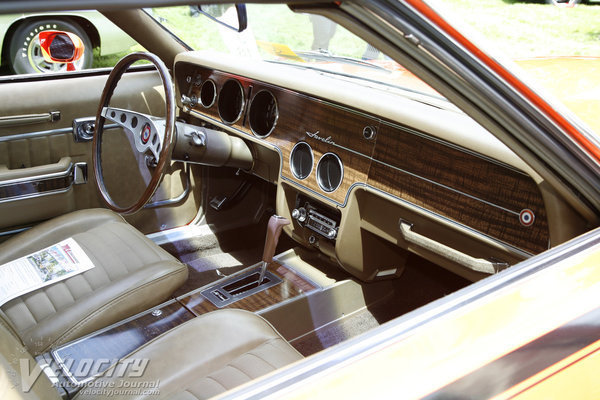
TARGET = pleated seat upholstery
x,y
203,357
131,274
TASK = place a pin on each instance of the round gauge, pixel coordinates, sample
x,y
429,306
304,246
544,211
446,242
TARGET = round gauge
x,y
231,101
301,160
208,94
263,113
330,172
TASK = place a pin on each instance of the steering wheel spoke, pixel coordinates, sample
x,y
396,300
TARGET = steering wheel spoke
x,y
150,134
147,131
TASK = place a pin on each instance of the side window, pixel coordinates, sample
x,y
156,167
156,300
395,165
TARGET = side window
x,y
104,42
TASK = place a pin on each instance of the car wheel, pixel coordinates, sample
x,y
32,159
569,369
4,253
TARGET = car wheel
x,y
25,52
565,2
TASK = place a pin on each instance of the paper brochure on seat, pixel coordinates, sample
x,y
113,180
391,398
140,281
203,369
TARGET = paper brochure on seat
x,y
42,268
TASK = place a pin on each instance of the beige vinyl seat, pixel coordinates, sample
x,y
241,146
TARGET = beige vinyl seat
x,y
199,359
131,274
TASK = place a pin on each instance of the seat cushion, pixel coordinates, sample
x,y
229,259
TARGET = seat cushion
x,y
202,358
131,274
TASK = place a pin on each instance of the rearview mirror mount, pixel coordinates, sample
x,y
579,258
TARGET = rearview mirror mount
x,y
233,16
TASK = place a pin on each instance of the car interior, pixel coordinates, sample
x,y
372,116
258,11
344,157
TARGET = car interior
x,y
263,216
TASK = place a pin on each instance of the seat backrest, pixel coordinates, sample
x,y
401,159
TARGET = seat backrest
x,y
20,376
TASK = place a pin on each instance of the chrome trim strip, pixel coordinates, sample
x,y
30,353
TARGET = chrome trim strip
x,y
69,173
433,214
453,146
31,135
37,178
228,298
55,352
391,166
447,187
381,121
180,233
36,195
457,225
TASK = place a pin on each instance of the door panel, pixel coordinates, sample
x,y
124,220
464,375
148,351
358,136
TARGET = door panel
x,y
43,155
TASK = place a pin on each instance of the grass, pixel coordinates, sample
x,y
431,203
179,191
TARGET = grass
x,y
528,29
516,28
267,23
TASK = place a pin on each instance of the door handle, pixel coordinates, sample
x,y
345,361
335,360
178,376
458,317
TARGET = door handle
x,y
27,119
24,183
475,264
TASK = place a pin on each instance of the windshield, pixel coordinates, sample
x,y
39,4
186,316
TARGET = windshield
x,y
535,35
277,34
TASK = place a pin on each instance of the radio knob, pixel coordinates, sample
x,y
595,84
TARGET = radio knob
x,y
331,234
299,214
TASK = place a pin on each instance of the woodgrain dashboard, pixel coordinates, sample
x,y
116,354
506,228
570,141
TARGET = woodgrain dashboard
x,y
447,180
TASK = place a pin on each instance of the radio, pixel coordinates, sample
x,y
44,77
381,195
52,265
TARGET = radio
x,y
308,216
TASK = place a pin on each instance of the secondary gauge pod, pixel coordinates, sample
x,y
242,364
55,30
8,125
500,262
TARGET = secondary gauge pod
x,y
330,172
301,160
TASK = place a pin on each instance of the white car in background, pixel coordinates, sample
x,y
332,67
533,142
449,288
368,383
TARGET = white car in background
x,y
21,50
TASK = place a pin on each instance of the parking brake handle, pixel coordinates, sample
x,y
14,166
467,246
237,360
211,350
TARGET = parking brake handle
x,y
274,228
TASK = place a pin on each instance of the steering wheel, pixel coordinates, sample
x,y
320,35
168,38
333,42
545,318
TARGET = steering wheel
x,y
153,137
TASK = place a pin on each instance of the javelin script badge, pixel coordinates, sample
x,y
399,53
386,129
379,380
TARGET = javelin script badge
x,y
321,138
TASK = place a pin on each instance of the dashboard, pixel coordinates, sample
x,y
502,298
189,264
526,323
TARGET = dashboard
x,y
335,159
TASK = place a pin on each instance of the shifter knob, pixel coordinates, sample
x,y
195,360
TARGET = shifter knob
x,y
276,224
274,228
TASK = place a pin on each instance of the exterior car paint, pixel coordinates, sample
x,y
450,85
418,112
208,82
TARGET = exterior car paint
x,y
111,39
519,339
529,332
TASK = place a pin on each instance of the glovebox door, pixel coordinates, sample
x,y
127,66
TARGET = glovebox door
x,y
46,167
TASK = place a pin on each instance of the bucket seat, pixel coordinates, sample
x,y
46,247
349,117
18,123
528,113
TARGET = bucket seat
x,y
199,359
131,274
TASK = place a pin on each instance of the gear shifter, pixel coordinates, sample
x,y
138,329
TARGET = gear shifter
x,y
274,228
